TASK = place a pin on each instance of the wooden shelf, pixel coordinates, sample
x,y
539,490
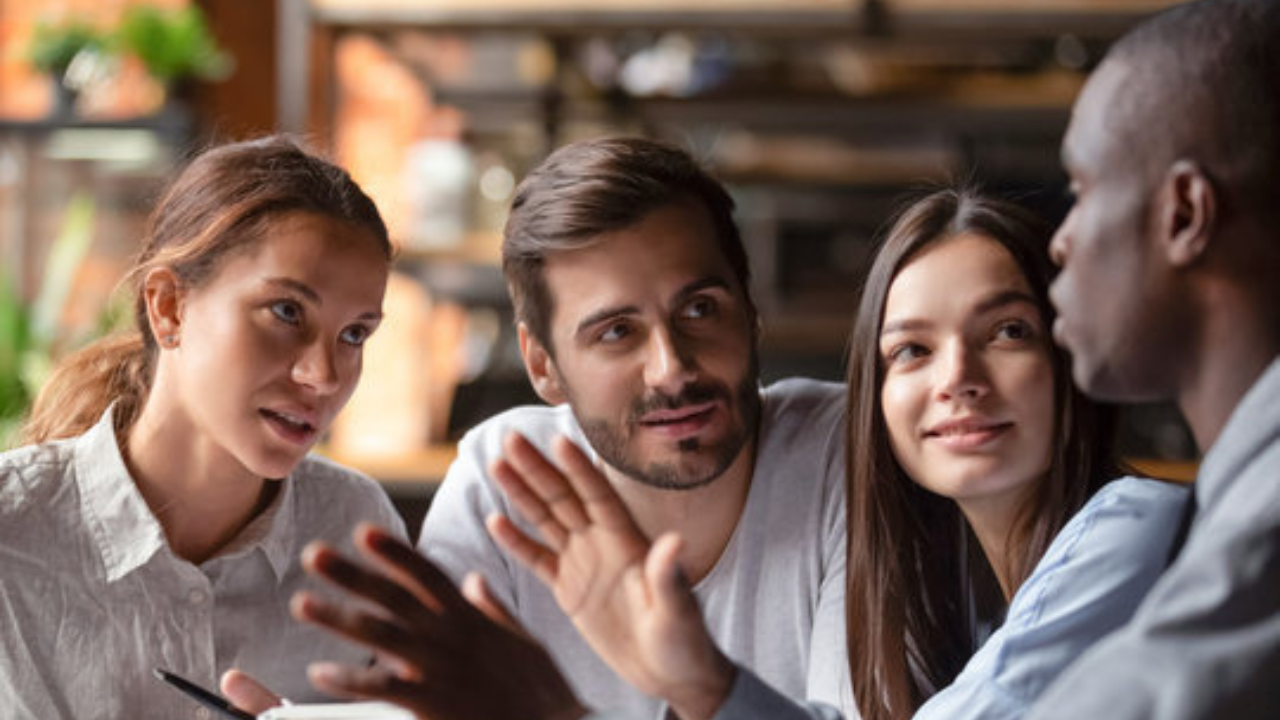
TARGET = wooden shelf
x,y
1179,470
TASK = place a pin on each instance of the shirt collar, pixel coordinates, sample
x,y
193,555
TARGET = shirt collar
x,y
128,534
124,529
272,532
1253,423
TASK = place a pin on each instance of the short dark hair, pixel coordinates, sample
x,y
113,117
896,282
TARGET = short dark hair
x,y
1206,75
598,186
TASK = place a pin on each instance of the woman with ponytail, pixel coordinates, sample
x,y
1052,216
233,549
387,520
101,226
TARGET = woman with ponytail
x,y
157,513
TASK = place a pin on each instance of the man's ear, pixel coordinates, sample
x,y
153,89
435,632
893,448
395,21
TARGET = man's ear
x,y
541,367
163,294
1188,213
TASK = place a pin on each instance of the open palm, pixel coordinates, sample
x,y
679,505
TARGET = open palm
x,y
625,595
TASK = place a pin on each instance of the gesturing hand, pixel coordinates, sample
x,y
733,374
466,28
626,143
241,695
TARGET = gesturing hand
x,y
439,655
628,598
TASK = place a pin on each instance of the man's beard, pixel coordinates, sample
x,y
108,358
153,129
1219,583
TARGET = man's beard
x,y
610,442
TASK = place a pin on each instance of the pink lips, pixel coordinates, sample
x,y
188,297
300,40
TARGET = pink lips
x,y
295,426
680,422
968,433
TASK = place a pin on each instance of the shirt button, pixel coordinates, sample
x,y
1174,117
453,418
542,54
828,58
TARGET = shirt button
x,y
203,713
195,597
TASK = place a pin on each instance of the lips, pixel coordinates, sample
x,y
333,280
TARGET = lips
x,y
295,427
680,421
968,433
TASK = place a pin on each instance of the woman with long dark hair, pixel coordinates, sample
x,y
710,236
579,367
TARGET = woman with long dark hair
x,y
970,452
988,546
156,517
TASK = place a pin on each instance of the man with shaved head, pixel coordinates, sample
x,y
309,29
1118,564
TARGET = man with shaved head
x,y
1170,289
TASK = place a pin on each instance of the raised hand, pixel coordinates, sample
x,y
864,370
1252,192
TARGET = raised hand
x,y
439,655
626,596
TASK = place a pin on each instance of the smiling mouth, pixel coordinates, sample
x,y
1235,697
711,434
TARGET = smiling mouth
x,y
969,435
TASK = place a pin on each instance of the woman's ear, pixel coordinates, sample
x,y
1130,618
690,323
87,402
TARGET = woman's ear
x,y
163,293
541,368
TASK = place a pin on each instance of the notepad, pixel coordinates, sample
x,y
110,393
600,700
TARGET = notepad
x,y
338,711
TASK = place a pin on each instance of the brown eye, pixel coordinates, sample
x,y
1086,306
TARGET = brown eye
x,y
614,333
1015,330
906,352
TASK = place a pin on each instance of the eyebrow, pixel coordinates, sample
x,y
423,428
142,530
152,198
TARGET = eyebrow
x,y
991,302
705,283
309,293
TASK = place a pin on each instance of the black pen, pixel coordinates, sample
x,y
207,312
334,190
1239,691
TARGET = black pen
x,y
202,696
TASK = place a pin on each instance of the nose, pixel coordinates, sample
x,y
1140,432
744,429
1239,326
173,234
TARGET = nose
x,y
961,374
316,368
668,366
1058,245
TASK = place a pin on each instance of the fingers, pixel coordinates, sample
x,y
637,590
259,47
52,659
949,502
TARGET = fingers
x,y
408,569
364,683
477,592
600,501
670,591
393,641
529,504
544,563
557,497
247,693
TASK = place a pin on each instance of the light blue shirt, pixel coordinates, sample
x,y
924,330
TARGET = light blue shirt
x,y
1206,641
1089,582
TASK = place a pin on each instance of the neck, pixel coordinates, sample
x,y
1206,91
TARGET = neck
x,y
992,522
201,497
704,517
1235,348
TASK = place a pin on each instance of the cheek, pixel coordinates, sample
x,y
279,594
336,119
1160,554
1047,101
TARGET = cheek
x,y
902,401
1033,391
351,365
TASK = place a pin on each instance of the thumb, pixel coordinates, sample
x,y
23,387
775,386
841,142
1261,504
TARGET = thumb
x,y
246,693
667,583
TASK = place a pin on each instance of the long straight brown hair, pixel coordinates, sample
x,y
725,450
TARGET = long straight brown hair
x,y
912,570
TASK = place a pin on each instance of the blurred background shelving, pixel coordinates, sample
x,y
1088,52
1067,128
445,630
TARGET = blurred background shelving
x,y
819,114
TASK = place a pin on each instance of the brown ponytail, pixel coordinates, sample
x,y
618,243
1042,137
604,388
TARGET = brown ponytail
x,y
225,199
116,368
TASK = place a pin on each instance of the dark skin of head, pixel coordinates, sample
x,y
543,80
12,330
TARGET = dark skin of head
x,y
1168,287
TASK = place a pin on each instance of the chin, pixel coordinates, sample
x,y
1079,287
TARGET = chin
x,y
276,466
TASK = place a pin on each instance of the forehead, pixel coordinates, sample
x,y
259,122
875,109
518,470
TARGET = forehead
x,y
950,277
320,251
645,263
1099,114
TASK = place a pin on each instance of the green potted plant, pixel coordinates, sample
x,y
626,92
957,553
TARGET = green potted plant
x,y
31,334
55,47
174,45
